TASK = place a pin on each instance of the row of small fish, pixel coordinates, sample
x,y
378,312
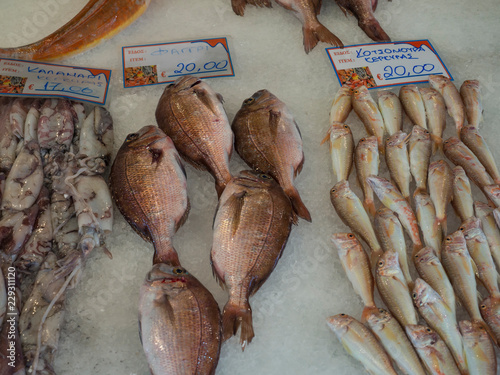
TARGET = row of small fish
x,y
307,12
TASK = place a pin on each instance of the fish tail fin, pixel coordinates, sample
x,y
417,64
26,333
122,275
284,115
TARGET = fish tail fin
x,y
444,225
372,28
369,206
437,144
220,186
166,254
374,5
366,313
327,136
410,284
239,6
234,317
487,328
316,33
419,190
381,148
298,206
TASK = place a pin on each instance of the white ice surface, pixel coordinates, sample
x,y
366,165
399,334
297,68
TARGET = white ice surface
x,y
100,333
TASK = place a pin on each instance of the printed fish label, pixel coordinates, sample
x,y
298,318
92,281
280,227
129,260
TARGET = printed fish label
x,y
163,63
30,78
386,64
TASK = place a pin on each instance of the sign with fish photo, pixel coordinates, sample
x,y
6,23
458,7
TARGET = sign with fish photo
x,y
29,78
164,63
386,64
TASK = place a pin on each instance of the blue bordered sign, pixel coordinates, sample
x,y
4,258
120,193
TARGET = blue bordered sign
x,y
163,63
386,64
30,78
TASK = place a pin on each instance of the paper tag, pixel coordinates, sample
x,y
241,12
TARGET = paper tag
x,y
386,64
29,78
162,63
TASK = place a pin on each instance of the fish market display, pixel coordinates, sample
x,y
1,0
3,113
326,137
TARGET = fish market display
x,y
396,343
179,323
452,99
306,11
56,209
391,110
341,145
361,344
268,139
367,160
398,162
251,228
413,105
470,91
148,183
104,18
192,115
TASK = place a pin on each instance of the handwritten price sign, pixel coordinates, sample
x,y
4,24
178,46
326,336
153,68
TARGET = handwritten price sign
x,y
386,64
29,78
163,63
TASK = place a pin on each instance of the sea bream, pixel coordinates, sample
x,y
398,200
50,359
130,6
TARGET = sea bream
x,y
268,139
190,112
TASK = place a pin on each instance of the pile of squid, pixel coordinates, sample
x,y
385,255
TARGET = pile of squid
x,y
307,12
181,327
55,209
418,331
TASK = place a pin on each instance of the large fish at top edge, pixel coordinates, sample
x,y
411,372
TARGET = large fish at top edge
x,y
363,11
97,21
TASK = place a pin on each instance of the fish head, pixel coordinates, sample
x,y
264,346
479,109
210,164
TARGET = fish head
x,y
472,231
339,324
421,199
473,332
482,209
345,241
423,293
398,139
459,173
388,264
455,242
493,192
368,143
167,277
149,139
438,81
184,85
378,318
379,184
426,255
255,179
449,144
385,95
385,214
421,336
490,308
472,83
339,189
360,92
419,133
339,129
262,99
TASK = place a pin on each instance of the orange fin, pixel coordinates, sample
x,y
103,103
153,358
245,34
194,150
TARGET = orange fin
x,y
167,256
298,206
369,206
437,144
317,33
366,313
235,317
373,29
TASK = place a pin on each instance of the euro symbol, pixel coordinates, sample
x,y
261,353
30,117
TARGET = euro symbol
x,y
379,76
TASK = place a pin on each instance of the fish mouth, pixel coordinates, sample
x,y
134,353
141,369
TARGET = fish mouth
x,y
171,280
249,176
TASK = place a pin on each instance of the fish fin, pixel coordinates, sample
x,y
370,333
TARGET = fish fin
x,y
294,218
372,28
239,6
366,312
218,278
437,144
236,202
344,10
220,186
167,256
206,99
184,217
299,167
194,164
235,316
381,149
317,6
444,225
420,190
298,206
369,206
220,97
374,4
316,33
327,137
274,122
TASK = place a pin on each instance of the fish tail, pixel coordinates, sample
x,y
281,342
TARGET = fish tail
x,y
235,316
220,186
419,190
372,28
374,4
444,225
366,313
381,148
437,144
239,6
369,206
167,255
316,33
327,136
298,206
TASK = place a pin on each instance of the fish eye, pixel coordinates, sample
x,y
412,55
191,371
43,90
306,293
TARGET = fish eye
x,y
448,239
483,306
132,137
462,228
346,127
342,314
179,271
416,256
249,101
350,235
414,295
265,176
333,190
362,140
381,263
381,310
428,330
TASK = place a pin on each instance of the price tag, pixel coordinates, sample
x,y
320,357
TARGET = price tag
x,y
163,63
386,64
29,78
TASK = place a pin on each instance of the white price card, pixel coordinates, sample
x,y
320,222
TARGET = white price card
x,y
386,64
163,63
30,78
